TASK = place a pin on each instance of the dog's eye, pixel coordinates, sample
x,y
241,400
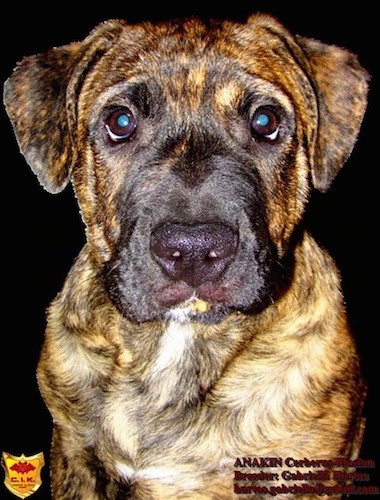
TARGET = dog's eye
x,y
265,124
121,125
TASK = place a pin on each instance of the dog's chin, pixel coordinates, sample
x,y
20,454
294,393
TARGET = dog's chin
x,y
197,311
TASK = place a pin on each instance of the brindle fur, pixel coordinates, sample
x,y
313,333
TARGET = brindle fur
x,y
146,403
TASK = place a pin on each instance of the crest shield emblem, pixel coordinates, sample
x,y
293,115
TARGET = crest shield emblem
x,y
23,474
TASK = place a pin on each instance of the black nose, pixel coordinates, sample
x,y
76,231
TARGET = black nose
x,y
194,253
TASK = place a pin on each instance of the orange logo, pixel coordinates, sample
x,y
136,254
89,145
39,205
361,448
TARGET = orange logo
x,y
23,474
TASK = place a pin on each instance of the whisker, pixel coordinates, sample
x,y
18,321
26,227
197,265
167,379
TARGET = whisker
x,y
115,266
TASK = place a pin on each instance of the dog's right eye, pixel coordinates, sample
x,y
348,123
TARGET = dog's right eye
x,y
265,124
121,125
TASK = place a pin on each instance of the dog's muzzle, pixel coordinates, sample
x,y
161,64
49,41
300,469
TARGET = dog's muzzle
x,y
194,254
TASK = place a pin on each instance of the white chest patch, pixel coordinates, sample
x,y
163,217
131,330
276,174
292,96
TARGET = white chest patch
x,y
174,344
163,475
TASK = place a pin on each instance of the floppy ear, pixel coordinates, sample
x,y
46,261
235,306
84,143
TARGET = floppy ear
x,y
341,86
40,98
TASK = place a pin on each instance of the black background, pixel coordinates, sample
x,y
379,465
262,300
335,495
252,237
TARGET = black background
x,y
41,234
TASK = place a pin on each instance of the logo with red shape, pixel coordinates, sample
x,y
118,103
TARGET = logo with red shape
x,y
23,474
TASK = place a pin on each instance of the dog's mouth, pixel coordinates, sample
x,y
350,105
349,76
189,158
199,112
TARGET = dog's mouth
x,y
195,272
193,307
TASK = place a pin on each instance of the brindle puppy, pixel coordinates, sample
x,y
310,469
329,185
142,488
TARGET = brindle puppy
x,y
200,323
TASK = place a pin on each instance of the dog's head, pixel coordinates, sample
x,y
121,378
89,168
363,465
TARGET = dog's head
x,y
192,149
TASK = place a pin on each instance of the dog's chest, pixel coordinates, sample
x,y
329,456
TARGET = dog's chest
x,y
190,407
149,406
162,425
171,360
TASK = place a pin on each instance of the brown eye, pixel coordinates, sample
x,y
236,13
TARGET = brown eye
x,y
265,124
121,125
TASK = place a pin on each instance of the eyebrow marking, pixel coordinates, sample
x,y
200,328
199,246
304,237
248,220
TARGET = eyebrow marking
x,y
227,95
139,96
196,82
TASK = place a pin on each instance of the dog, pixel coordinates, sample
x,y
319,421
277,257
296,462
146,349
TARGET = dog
x,y
201,322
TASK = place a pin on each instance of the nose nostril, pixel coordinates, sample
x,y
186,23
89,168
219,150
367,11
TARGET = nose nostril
x,y
212,255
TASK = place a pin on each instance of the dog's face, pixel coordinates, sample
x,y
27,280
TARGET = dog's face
x,y
192,150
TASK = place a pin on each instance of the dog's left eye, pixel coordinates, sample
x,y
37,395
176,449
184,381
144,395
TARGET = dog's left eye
x,y
121,125
265,124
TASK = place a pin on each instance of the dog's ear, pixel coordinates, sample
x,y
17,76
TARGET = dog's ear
x,y
41,97
341,85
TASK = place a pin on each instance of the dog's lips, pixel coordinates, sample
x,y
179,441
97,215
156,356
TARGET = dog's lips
x,y
174,294
199,300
